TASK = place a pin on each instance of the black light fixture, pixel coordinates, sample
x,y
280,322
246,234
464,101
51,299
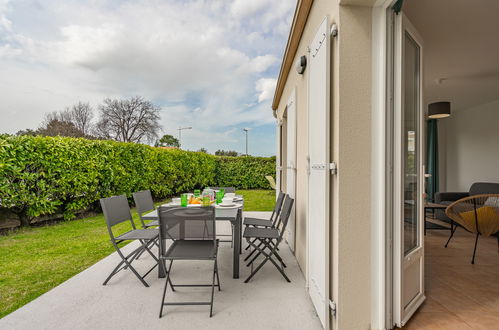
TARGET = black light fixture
x,y
438,110
301,64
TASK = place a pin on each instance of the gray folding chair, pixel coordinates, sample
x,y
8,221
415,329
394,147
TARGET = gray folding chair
x,y
226,189
145,204
257,222
271,238
116,210
193,231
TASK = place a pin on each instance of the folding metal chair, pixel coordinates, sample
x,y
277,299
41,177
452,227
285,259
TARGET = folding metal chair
x,y
230,190
233,191
116,210
271,238
145,204
193,231
257,222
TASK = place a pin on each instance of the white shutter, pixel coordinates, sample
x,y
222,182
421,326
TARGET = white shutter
x,y
291,165
318,184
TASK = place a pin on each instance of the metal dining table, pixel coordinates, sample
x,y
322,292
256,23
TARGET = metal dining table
x,y
222,214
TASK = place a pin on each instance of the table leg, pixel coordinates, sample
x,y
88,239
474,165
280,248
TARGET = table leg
x,y
161,270
236,245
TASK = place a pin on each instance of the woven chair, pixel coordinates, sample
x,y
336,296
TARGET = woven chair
x,y
477,214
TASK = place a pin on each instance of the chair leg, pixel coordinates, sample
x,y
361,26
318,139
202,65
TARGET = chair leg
x,y
253,251
474,250
268,256
218,278
254,239
166,287
213,286
127,264
452,231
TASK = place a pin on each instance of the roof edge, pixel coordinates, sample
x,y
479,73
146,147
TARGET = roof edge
x,y
299,21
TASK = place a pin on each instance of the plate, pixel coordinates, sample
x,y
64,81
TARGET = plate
x,y
237,199
227,205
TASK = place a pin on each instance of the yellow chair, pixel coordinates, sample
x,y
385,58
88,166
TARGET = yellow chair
x,y
477,214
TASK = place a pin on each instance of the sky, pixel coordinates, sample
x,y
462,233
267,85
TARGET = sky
x,y
211,64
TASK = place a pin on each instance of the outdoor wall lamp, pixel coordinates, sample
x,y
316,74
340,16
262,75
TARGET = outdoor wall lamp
x,y
301,64
438,110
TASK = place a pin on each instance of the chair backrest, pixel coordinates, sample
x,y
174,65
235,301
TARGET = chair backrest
x,y
277,208
284,216
187,223
227,189
143,201
116,210
480,188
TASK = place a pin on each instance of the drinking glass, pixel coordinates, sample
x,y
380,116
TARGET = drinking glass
x,y
220,195
222,190
197,192
206,200
183,200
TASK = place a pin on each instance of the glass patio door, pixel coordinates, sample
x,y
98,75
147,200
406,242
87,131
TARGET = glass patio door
x,y
408,172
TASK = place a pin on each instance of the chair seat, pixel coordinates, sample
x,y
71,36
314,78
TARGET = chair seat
x,y
252,232
146,234
153,223
192,250
257,222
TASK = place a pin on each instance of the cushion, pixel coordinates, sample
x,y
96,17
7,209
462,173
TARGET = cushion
x,y
488,220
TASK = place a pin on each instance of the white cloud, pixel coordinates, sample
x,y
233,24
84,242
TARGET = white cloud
x,y
265,88
202,61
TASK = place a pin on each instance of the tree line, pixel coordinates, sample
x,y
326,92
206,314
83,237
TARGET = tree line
x,y
126,120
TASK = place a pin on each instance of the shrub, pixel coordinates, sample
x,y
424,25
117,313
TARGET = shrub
x,y
48,175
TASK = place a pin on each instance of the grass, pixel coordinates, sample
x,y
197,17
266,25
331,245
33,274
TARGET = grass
x,y
35,260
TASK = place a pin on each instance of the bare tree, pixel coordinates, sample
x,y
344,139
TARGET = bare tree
x,y
60,128
131,120
80,115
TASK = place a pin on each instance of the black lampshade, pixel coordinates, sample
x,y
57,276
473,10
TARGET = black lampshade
x,y
438,110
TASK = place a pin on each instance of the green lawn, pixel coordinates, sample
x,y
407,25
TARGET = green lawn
x,y
34,260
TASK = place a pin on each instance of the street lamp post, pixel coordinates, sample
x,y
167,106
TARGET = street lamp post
x,y
246,131
180,129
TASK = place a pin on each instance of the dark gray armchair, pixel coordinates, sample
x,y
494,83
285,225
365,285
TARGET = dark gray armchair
x,y
447,198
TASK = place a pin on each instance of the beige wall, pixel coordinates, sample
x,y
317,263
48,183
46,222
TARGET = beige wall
x,y
352,151
317,13
469,147
351,148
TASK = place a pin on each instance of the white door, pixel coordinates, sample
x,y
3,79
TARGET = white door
x,y
408,172
318,180
291,165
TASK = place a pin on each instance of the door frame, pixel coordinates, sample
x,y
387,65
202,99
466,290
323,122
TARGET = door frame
x,y
401,261
382,165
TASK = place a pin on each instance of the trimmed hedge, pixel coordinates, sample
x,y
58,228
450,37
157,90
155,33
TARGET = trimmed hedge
x,y
48,175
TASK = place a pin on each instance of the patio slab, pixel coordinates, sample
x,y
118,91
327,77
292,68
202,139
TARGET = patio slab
x,y
82,302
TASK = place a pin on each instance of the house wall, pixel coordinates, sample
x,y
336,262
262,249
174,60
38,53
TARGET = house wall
x,y
469,147
317,13
350,236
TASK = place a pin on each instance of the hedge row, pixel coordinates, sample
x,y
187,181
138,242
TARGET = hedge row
x,y
48,175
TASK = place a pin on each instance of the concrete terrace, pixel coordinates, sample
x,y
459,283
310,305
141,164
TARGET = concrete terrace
x,y
82,302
